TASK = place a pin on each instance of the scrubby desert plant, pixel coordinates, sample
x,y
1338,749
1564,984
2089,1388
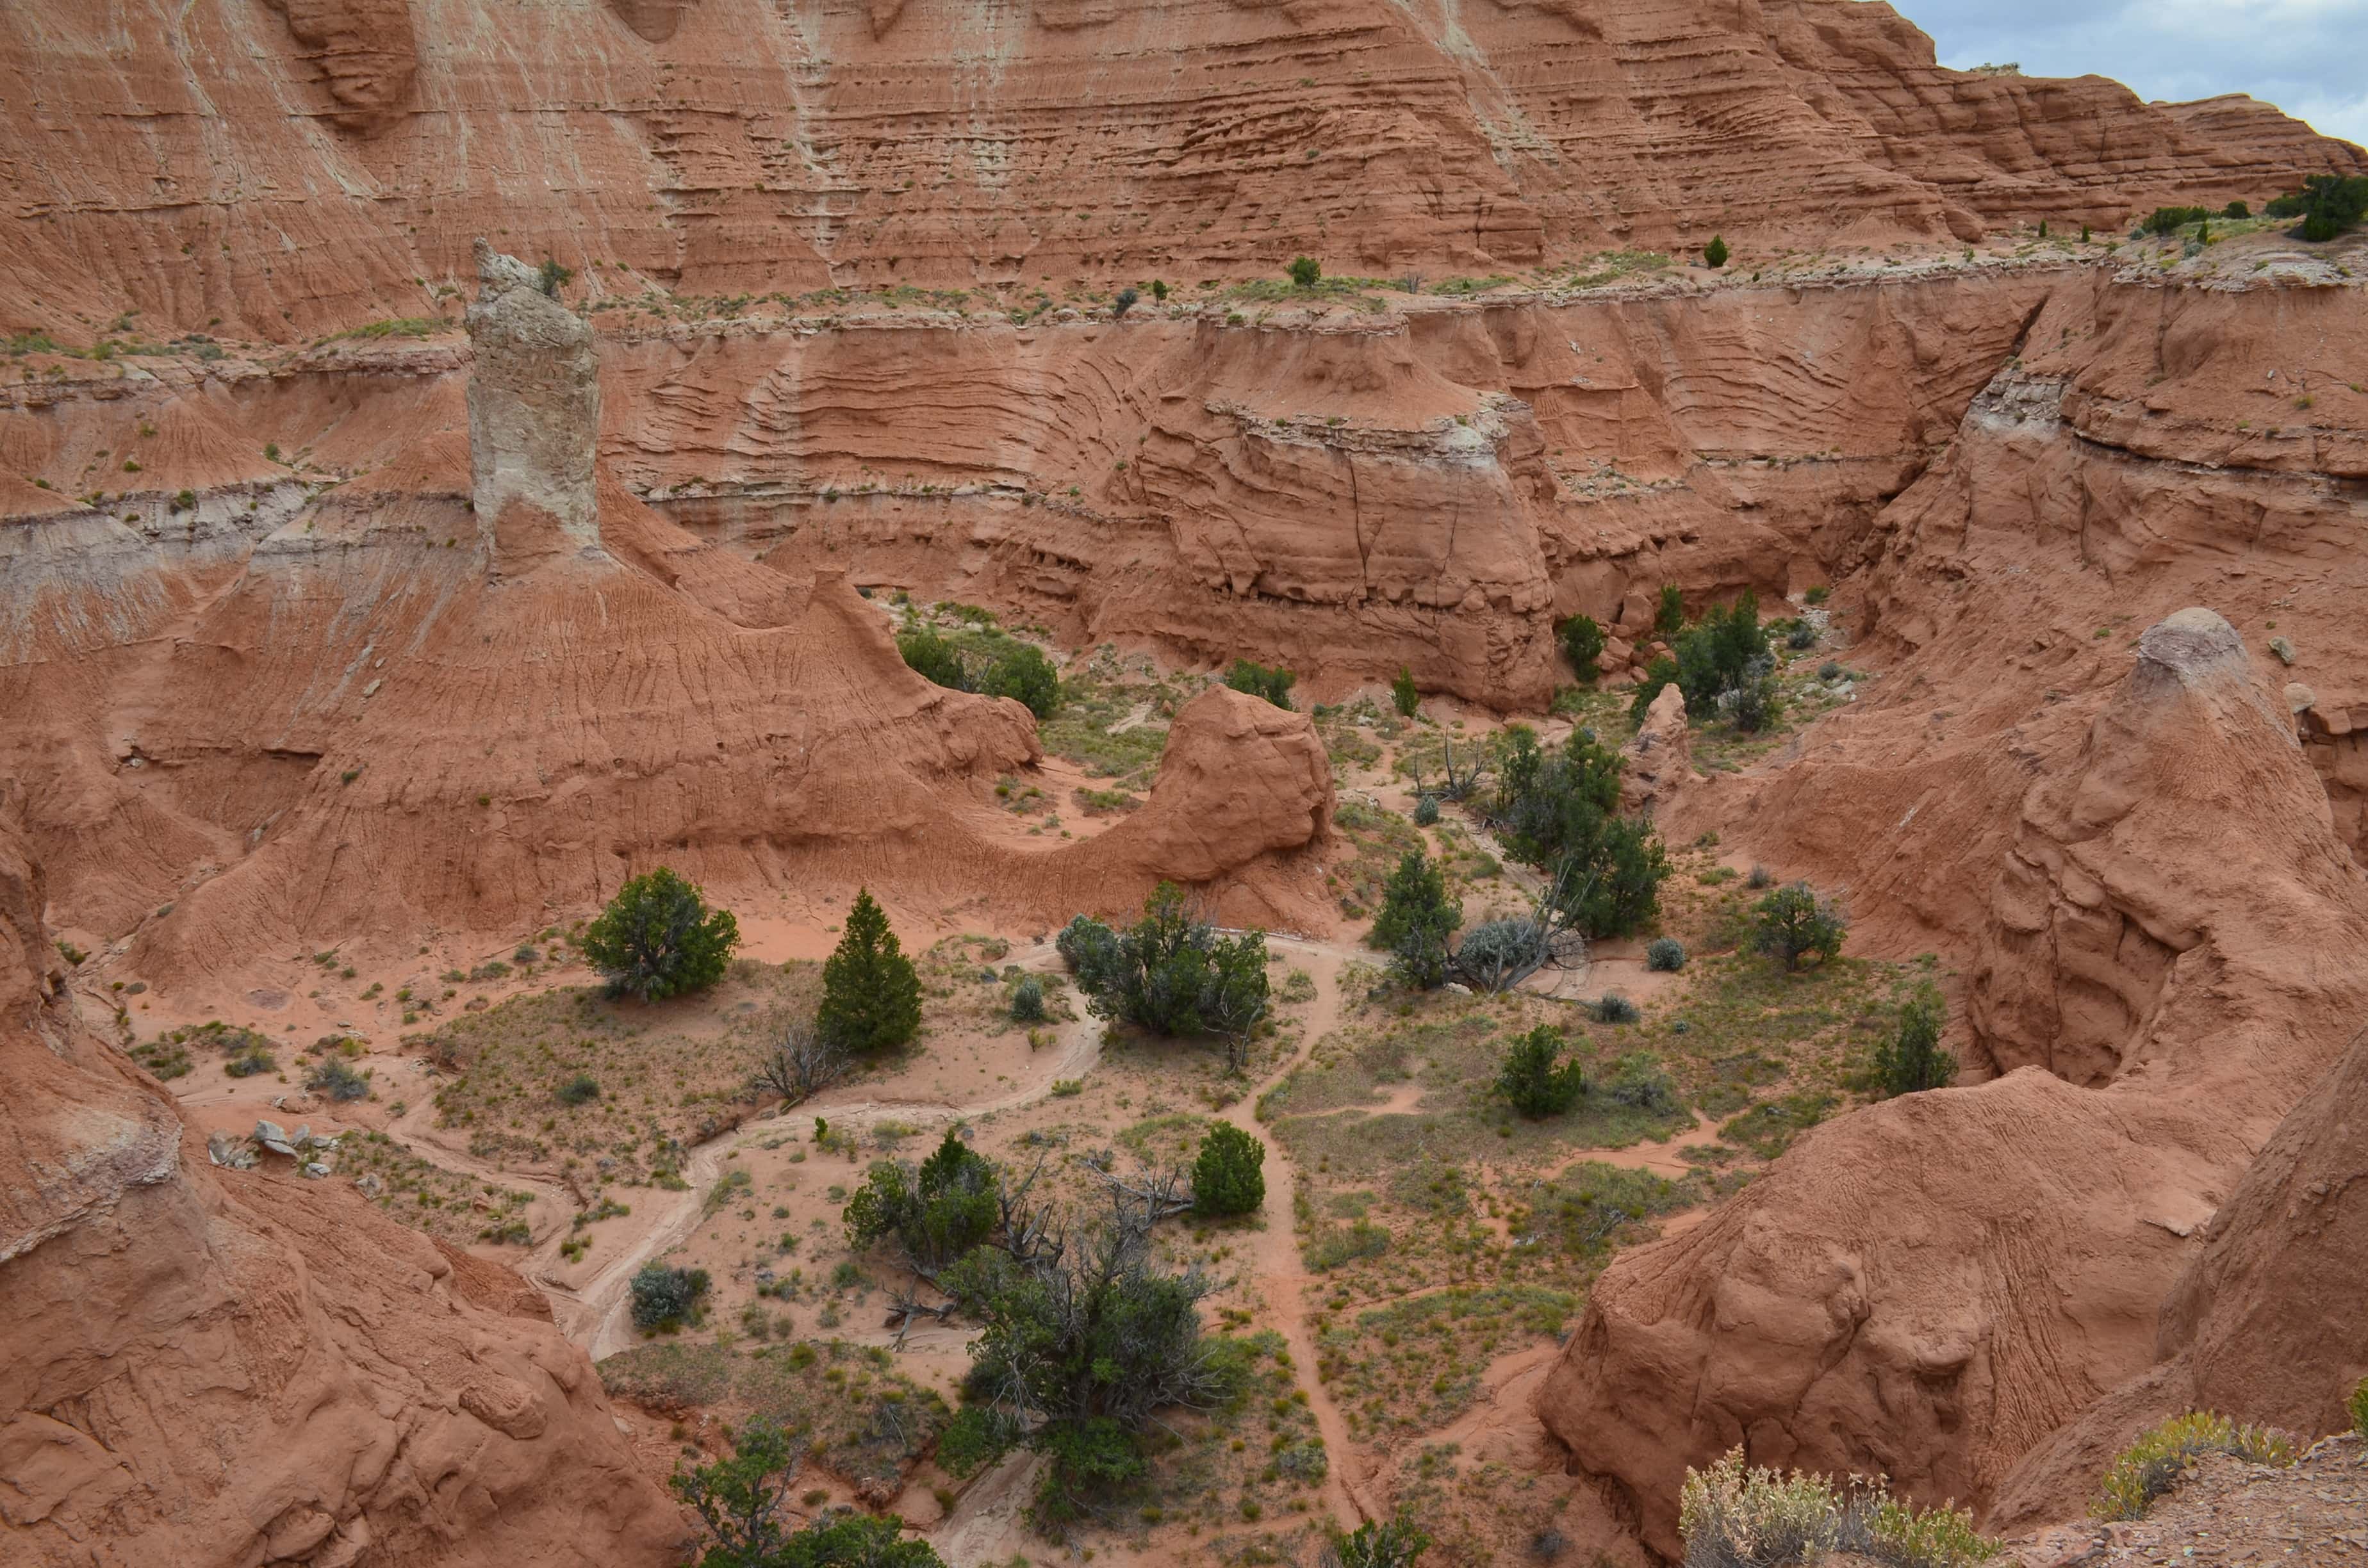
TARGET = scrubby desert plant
x,y
1737,1516
937,1212
1404,695
1792,923
1425,811
1306,271
659,938
1669,611
1582,644
871,993
1417,918
665,1297
1027,1000
1228,1177
1273,683
1534,1080
1171,972
1613,1008
333,1079
2150,1467
1909,1059
1715,253
582,1089
1379,1543
1664,955
2358,1406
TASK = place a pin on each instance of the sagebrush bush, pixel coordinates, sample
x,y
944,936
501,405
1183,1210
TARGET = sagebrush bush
x,y
664,1297
1737,1516
2358,1405
1425,811
1664,955
582,1089
2150,1467
332,1078
1613,1008
1027,1000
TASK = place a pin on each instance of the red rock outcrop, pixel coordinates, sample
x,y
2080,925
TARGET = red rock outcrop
x,y
473,694
238,1367
736,147
2266,1323
1927,1288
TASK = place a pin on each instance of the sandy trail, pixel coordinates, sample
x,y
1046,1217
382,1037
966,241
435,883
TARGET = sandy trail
x,y
596,1315
1277,1270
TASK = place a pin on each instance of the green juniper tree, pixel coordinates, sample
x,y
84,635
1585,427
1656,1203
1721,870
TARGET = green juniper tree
x,y
870,995
659,938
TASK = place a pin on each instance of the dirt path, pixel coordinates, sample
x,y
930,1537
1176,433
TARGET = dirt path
x,y
1277,1270
596,1314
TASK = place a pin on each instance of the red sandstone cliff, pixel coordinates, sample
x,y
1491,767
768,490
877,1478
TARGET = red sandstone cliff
x,y
299,166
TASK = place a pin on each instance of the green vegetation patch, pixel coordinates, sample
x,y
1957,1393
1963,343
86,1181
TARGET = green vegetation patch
x,y
851,1411
1415,1364
667,1076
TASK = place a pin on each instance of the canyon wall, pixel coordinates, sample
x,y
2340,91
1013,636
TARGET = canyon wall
x,y
279,168
1927,1288
243,1366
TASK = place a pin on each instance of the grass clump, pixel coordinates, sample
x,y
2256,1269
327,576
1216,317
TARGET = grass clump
x,y
2150,1467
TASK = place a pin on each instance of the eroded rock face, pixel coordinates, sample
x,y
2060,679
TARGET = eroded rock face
x,y
534,420
720,147
242,1367
365,53
1927,1288
2266,1323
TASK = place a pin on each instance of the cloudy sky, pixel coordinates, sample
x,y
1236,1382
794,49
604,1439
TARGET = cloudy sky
x,y
2306,56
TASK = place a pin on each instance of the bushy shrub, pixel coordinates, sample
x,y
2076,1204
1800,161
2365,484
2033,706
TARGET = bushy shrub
x,y
1721,664
581,1089
1556,812
1909,1059
1425,811
2150,1467
332,1078
932,657
664,1297
659,938
1123,303
1023,674
1533,1079
1259,680
1171,972
2170,220
1664,955
1228,1176
1404,695
1792,923
1799,636
2358,1405
250,1062
1735,1515
1582,644
1669,611
1715,252
939,1212
1498,954
1613,1008
1760,877
1306,271
1027,1000
870,995
2327,204
1393,1543
1417,918
2236,210
1082,941
738,1501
